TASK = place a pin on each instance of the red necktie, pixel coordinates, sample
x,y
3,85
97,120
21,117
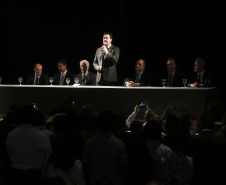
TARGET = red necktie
x,y
171,80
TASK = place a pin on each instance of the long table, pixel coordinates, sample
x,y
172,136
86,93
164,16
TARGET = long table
x,y
115,98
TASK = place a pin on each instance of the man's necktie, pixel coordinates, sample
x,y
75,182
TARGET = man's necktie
x,y
84,80
36,80
137,80
199,78
62,79
171,80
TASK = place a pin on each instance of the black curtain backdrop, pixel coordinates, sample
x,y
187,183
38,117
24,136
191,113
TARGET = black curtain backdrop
x,y
43,32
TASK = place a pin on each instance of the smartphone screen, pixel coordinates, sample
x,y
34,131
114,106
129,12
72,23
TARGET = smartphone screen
x,y
142,106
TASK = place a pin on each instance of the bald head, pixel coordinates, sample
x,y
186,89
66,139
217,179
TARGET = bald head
x,y
38,69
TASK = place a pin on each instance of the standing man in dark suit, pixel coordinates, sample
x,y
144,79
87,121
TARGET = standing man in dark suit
x,y
200,77
142,77
86,77
37,78
105,62
174,76
60,77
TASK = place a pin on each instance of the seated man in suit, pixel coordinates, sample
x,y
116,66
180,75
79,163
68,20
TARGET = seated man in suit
x,y
200,77
142,77
86,77
37,78
173,76
60,77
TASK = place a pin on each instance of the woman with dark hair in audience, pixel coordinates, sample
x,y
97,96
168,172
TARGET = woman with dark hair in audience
x,y
177,168
140,162
105,155
66,150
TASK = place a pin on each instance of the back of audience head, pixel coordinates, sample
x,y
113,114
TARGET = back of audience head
x,y
67,105
185,121
14,113
28,115
206,121
172,122
59,123
40,118
85,111
65,124
136,127
153,130
106,119
179,139
120,120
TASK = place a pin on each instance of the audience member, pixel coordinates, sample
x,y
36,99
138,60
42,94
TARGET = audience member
x,y
200,77
186,118
89,147
119,128
140,168
60,77
67,106
88,122
27,147
149,114
6,125
104,155
174,77
66,152
176,167
208,152
86,77
41,124
153,134
37,78
142,77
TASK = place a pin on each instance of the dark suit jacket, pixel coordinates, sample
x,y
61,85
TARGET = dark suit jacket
x,y
91,78
145,80
206,79
43,80
109,63
56,78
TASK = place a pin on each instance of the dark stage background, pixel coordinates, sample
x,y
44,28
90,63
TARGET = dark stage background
x,y
43,31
